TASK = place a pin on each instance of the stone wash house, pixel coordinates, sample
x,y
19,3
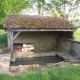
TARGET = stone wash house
x,y
35,36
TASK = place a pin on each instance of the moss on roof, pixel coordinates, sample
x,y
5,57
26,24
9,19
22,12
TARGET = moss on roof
x,y
35,21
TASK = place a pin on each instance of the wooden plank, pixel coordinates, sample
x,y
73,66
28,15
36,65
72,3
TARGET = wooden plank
x,y
16,35
11,43
34,30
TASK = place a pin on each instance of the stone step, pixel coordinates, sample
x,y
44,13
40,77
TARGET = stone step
x,y
4,63
33,54
67,57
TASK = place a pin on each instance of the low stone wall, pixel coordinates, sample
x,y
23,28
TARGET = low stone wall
x,y
69,46
75,48
62,45
4,63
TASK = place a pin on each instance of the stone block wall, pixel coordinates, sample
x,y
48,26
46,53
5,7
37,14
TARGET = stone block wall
x,y
69,46
42,41
63,45
50,41
75,48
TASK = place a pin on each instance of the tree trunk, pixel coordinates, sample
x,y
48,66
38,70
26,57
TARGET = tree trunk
x,y
40,8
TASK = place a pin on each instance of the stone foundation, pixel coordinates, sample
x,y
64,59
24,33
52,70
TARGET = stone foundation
x,y
4,63
69,46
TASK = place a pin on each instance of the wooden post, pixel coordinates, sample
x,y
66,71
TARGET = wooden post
x,y
12,38
8,39
11,43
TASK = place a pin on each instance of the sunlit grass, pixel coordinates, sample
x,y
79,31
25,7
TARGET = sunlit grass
x,y
2,32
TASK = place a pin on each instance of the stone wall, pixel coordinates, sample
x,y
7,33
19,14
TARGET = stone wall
x,y
69,46
49,42
42,41
75,48
63,45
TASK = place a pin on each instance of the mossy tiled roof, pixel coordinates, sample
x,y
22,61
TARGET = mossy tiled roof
x,y
35,21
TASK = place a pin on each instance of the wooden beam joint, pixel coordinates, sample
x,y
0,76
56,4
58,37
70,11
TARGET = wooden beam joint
x,y
16,35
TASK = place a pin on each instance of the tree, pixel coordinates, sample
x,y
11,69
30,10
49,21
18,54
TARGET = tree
x,y
67,9
37,5
11,7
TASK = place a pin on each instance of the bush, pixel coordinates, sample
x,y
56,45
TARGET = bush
x,y
3,40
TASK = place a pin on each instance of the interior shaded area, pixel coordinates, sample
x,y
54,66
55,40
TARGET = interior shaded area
x,y
42,41
37,60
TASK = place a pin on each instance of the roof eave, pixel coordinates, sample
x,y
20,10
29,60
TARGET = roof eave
x,y
32,30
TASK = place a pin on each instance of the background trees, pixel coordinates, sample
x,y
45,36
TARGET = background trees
x,y
11,7
67,9
37,5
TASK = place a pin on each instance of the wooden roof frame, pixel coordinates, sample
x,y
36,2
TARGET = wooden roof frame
x,y
18,31
35,30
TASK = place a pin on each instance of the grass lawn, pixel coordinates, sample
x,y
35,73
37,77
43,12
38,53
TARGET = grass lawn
x,y
55,73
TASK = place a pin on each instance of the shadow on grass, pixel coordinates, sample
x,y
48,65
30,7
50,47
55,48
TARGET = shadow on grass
x,y
3,40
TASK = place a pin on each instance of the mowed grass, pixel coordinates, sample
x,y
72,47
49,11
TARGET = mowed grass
x,y
55,73
77,34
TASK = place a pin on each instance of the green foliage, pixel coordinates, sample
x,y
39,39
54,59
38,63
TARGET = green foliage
x,y
2,32
3,39
37,5
67,9
10,7
54,7
55,73
1,27
17,6
77,34
77,24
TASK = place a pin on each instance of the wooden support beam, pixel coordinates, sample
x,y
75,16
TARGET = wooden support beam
x,y
16,35
11,43
34,30
12,40
8,39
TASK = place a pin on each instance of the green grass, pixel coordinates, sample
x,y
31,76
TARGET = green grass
x,y
77,34
3,39
2,32
55,73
